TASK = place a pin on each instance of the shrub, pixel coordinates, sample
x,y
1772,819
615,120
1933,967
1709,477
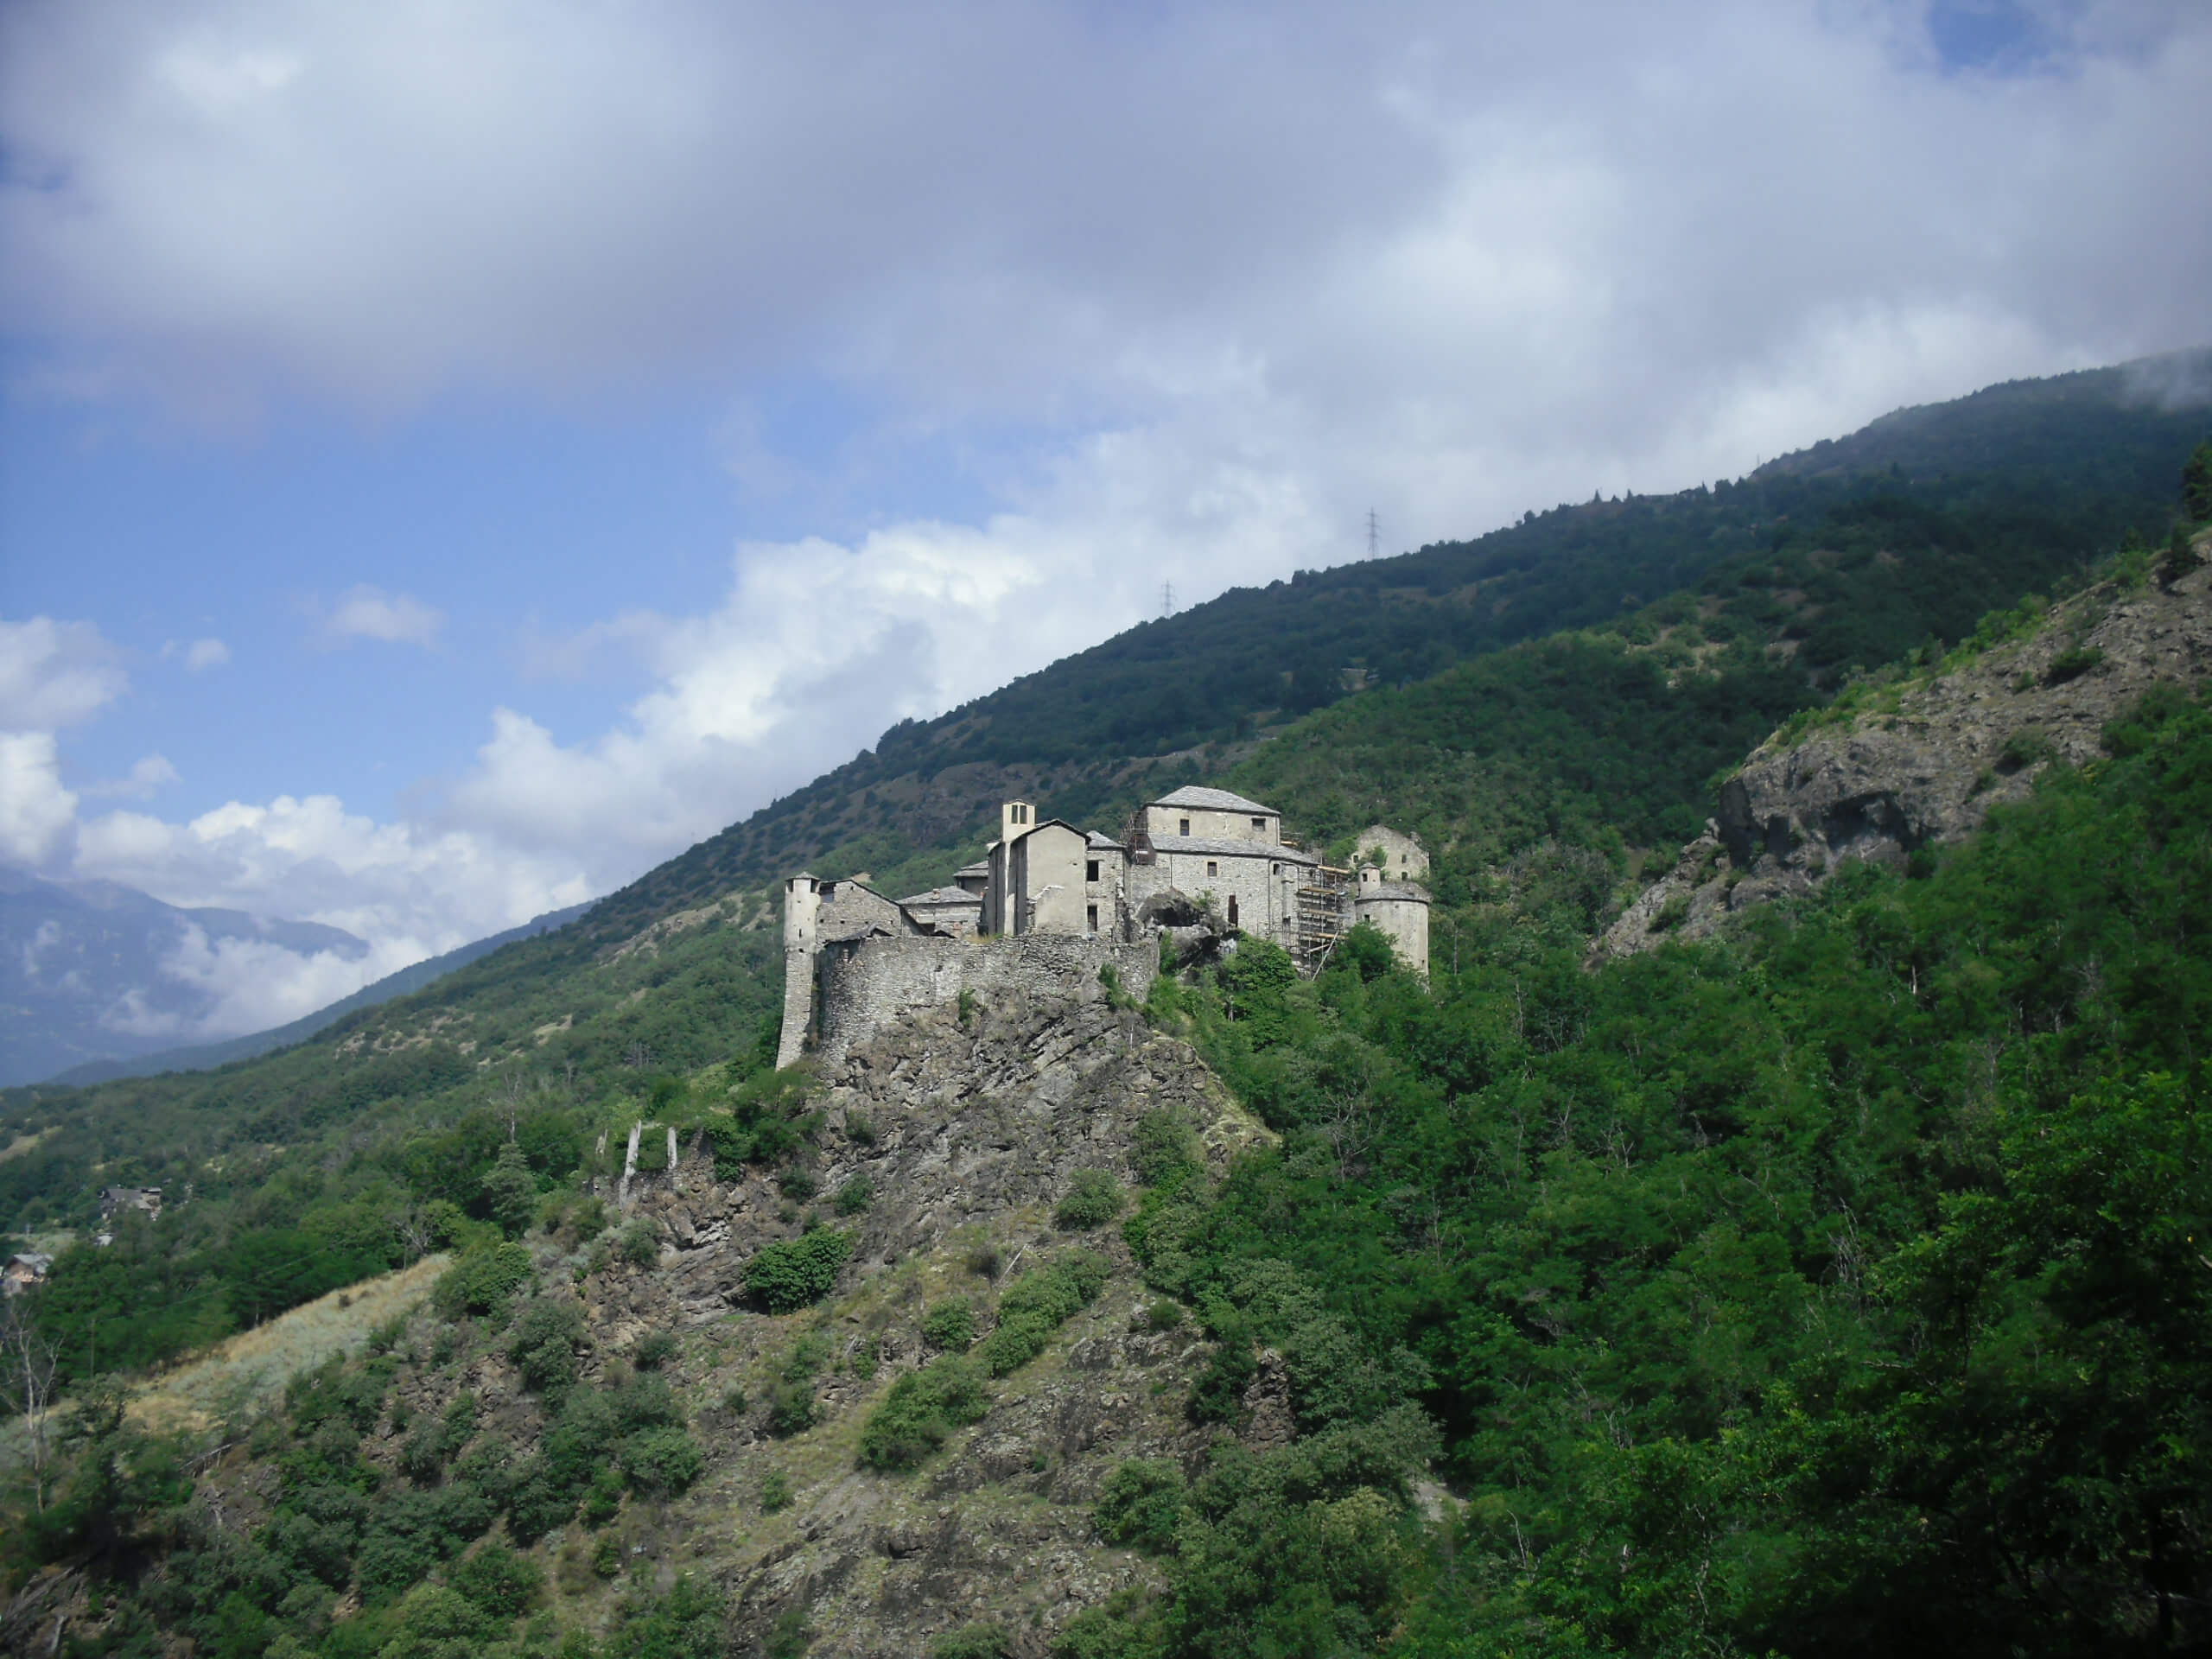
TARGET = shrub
x,y
921,1409
661,1461
859,1128
1163,1315
790,1408
499,1581
482,1279
855,1195
1094,1198
1037,1304
970,1642
2024,748
1140,1504
984,1260
1163,1149
789,1276
636,1244
797,1184
543,1350
653,1350
603,1497
423,1454
775,1492
951,1326
2072,665
607,1555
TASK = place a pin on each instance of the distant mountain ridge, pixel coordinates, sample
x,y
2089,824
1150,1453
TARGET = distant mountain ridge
x,y
84,968
206,1056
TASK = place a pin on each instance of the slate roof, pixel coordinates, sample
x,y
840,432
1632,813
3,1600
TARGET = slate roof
x,y
937,897
981,866
1213,800
1212,849
1101,842
1390,890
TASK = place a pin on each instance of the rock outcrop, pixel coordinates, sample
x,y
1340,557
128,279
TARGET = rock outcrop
x,y
1925,762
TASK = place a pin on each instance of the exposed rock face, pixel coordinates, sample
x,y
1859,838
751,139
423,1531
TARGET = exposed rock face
x,y
1925,765
969,1135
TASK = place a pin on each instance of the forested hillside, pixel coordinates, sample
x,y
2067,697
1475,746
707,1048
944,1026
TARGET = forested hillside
x,y
1939,514
1824,1288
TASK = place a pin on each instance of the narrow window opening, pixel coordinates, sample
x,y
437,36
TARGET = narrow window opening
x,y
1090,870
1185,829
1213,869
1233,910
1090,915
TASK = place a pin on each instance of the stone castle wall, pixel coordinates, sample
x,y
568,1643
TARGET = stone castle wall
x,y
866,984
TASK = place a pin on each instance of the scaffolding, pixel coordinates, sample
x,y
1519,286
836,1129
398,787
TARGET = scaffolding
x,y
1321,914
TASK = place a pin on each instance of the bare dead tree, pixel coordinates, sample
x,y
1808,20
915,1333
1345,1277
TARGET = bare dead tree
x,y
28,1360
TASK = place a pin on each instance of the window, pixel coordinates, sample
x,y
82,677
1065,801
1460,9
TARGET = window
x,y
1090,916
1213,869
1185,829
1259,823
1275,869
1090,870
1233,910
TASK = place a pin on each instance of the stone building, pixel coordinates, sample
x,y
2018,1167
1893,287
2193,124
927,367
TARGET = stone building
x,y
1399,909
1050,905
1400,857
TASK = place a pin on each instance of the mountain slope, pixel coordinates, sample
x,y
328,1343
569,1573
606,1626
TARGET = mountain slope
x,y
1865,547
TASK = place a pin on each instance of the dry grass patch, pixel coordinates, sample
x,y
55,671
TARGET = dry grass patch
x,y
256,1364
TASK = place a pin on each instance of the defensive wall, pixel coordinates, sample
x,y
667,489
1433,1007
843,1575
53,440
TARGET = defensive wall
x,y
860,986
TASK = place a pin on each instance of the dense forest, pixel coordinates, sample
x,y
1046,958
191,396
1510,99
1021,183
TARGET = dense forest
x,y
1838,1285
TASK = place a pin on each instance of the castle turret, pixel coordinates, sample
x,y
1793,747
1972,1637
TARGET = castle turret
x,y
802,940
1400,910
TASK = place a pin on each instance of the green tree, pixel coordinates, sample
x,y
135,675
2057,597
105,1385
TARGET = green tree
x,y
511,1190
2196,481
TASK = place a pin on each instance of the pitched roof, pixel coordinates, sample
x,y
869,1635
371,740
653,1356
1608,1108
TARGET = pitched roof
x,y
939,896
1213,849
1102,842
981,866
1410,891
1213,800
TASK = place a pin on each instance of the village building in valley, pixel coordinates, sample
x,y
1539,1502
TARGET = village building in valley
x,y
1050,904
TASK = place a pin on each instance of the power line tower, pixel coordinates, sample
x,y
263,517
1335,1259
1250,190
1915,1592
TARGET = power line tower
x,y
1166,599
1374,534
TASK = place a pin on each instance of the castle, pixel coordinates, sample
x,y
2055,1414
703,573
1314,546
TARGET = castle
x,y
1050,907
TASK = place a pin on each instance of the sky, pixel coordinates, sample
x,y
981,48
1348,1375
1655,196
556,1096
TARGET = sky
x,y
454,456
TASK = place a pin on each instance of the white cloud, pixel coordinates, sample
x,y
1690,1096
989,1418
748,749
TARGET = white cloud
x,y
368,612
37,813
149,775
197,656
239,986
55,674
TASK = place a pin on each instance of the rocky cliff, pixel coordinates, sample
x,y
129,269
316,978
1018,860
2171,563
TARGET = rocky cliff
x,y
1921,761
967,1132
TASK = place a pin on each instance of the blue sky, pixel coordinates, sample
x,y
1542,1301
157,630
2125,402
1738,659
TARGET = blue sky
x,y
454,456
